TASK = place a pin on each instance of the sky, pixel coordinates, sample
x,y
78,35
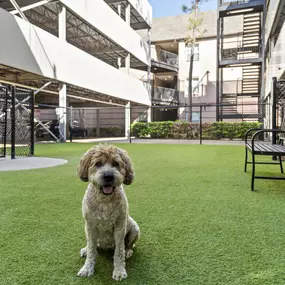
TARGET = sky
x,y
163,8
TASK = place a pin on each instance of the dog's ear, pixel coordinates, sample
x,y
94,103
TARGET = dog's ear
x,y
129,177
84,163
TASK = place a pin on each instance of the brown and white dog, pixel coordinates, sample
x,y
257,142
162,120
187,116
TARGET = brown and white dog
x,y
105,207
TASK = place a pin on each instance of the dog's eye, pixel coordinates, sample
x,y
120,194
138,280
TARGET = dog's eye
x,y
98,164
115,164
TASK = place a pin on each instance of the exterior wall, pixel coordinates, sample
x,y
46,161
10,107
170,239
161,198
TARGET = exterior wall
x,y
29,48
270,18
207,62
275,60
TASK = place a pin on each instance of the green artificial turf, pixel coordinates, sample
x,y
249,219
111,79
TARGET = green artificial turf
x,y
200,223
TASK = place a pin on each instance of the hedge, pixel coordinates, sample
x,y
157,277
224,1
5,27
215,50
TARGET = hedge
x,y
187,130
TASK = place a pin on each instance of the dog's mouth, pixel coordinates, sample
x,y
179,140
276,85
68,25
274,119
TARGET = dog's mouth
x,y
107,190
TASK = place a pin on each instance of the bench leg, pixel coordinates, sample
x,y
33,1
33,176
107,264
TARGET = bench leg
x,y
245,163
253,172
281,166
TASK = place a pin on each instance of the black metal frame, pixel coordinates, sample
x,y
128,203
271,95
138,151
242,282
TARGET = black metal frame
x,y
263,148
4,123
18,131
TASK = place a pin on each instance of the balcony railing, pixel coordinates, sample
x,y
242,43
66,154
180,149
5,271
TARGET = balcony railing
x,y
164,56
236,50
165,94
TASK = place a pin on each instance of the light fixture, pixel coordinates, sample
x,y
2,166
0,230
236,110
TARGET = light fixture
x,y
240,65
240,11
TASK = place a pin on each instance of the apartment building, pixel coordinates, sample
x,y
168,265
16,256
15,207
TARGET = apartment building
x,y
168,38
78,53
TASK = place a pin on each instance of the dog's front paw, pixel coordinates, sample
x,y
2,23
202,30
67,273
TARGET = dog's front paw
x,y
119,274
86,271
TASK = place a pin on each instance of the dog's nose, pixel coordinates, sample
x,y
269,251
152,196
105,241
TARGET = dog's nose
x,y
108,177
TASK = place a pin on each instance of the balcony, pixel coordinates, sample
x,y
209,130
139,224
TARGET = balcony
x,y
237,52
165,96
163,60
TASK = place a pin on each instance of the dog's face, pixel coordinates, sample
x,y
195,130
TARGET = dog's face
x,y
106,167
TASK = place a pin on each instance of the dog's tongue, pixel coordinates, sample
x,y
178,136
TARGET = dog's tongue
x,y
107,190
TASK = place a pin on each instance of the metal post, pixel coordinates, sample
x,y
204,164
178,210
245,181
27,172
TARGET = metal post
x,y
274,81
127,119
201,125
71,123
97,123
13,124
32,118
130,126
6,117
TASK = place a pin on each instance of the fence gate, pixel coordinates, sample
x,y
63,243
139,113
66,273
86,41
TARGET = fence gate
x,y
16,122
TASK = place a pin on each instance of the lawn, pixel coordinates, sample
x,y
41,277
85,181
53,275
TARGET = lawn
x,y
200,222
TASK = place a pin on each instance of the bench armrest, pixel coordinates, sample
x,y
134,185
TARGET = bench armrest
x,y
264,131
248,132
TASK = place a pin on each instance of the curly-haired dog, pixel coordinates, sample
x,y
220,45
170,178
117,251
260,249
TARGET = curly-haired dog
x,y
105,207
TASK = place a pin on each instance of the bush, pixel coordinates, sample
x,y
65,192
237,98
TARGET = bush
x,y
187,130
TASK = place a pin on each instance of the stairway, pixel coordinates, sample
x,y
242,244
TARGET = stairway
x,y
230,102
251,35
251,80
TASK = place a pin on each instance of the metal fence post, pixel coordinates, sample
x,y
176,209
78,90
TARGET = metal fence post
x,y
32,118
6,121
274,91
130,125
70,123
13,124
201,124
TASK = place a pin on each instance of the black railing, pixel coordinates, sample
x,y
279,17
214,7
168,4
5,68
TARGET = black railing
x,y
165,94
165,57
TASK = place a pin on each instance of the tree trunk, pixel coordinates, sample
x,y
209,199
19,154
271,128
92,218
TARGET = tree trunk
x,y
191,63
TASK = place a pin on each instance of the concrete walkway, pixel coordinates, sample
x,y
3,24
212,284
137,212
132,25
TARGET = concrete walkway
x,y
160,141
25,163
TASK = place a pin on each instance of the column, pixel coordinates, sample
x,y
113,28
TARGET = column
x,y
127,119
128,13
62,87
62,112
149,114
119,10
97,123
128,63
62,23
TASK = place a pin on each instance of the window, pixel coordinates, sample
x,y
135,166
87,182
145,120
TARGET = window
x,y
195,87
196,52
195,117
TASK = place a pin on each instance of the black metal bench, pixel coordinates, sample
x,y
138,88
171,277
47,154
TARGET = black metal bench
x,y
261,147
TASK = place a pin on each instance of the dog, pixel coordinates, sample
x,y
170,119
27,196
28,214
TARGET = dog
x,y
105,207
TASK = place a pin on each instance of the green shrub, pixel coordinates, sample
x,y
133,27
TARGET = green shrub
x,y
187,130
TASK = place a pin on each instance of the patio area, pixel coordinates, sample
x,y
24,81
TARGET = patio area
x,y
200,223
